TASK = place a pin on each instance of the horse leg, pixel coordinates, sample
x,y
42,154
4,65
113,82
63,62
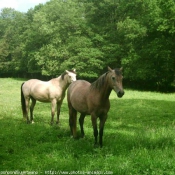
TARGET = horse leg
x,y
27,101
31,109
81,122
53,103
58,111
101,128
73,121
94,124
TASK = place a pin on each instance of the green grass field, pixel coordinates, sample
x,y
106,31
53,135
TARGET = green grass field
x,y
139,137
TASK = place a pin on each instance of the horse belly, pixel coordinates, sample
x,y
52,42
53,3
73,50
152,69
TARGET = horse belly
x,y
41,97
40,93
97,105
79,103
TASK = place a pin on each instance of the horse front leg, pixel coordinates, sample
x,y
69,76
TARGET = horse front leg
x,y
101,128
94,124
58,115
58,111
53,104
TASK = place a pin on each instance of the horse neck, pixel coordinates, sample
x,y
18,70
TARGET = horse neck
x,y
104,91
62,83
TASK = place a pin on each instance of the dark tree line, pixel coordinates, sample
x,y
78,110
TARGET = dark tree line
x,y
90,35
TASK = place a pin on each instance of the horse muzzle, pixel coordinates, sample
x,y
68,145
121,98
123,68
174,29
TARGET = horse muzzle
x,y
120,94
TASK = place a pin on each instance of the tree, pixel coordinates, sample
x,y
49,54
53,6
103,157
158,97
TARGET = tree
x,y
89,36
10,42
150,57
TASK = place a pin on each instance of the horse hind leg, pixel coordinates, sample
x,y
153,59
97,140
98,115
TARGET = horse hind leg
x,y
81,122
73,121
31,109
27,101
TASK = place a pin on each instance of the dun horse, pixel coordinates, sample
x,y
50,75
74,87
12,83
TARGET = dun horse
x,y
45,91
93,99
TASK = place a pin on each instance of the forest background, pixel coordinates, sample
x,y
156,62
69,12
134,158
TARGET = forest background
x,y
90,35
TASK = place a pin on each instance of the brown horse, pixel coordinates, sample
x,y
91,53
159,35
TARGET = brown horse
x,y
93,99
45,91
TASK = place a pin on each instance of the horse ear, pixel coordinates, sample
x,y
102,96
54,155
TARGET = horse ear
x,y
121,68
74,70
67,71
109,69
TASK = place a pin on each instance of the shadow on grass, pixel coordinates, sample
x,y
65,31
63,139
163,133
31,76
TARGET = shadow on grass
x,y
142,124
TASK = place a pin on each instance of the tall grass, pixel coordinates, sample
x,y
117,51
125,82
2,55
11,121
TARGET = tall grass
x,y
139,137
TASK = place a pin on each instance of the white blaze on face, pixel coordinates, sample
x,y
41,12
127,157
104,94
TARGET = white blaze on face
x,y
72,76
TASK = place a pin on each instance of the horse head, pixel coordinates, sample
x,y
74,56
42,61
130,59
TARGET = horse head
x,y
116,81
71,75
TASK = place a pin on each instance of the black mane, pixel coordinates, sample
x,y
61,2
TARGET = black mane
x,y
118,71
101,80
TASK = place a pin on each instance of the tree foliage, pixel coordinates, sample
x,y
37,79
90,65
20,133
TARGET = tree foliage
x,y
90,35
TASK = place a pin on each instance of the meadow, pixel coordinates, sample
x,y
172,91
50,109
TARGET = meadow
x,y
139,137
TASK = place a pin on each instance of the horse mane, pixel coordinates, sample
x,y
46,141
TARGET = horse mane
x,y
63,74
101,80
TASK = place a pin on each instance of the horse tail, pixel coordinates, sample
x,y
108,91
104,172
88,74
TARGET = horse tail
x,y
23,104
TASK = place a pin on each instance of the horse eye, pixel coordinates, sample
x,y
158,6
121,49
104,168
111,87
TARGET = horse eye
x,y
113,78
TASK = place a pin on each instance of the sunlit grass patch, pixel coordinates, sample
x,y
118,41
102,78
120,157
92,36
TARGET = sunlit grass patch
x,y
139,136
